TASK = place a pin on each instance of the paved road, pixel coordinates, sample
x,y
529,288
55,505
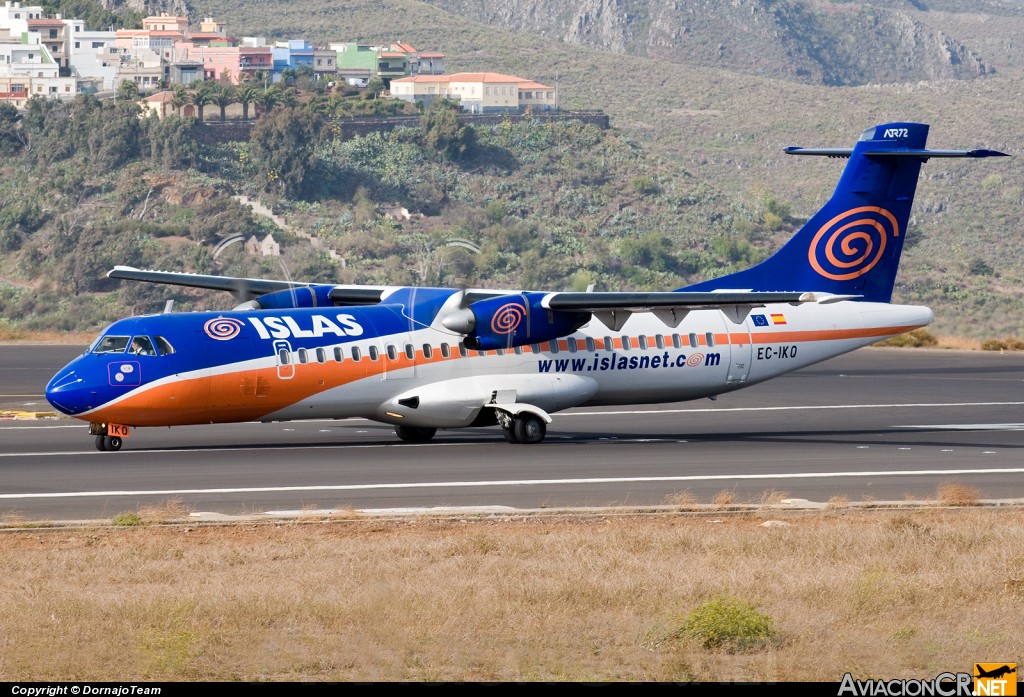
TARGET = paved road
x,y
878,424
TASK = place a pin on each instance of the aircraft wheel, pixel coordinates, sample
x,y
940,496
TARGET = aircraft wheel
x,y
415,434
530,428
101,442
113,443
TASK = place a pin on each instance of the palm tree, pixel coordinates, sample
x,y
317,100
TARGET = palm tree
x,y
265,100
246,95
224,96
288,97
203,94
127,91
179,97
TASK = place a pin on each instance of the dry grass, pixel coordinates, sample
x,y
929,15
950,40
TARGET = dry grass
x,y
954,494
602,598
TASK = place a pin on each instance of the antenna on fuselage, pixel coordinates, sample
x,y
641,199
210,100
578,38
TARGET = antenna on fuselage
x,y
168,306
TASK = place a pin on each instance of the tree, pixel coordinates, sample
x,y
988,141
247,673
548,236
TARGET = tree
x,y
444,133
180,97
374,87
265,100
12,138
246,94
127,91
203,94
224,96
281,147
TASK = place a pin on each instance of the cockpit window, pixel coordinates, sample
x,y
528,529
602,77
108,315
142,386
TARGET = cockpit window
x,y
112,344
163,345
142,346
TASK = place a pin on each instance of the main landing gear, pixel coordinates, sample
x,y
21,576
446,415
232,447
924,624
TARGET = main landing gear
x,y
415,434
524,428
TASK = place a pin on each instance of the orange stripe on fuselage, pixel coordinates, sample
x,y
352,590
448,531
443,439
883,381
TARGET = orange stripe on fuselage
x,y
243,395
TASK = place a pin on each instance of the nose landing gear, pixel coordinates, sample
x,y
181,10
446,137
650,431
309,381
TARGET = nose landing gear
x,y
108,443
109,437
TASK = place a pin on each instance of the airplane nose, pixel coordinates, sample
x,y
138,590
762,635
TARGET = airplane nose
x,y
65,392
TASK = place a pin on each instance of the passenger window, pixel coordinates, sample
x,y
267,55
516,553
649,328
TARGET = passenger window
x,y
446,351
142,346
676,341
339,354
627,343
609,345
519,350
463,351
710,338
112,344
693,340
303,356
643,342
392,352
572,345
163,346
535,348
428,351
374,353
284,357
321,355
356,355
591,345
410,351
553,346
659,341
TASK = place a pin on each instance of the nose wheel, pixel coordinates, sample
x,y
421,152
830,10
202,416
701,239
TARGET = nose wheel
x,y
108,443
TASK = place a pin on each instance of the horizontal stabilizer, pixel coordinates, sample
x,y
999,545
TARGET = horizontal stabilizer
x,y
920,154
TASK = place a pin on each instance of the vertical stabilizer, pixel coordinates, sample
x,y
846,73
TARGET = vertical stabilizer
x,y
852,245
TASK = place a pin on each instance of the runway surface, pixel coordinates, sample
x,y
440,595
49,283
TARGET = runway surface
x,y
875,425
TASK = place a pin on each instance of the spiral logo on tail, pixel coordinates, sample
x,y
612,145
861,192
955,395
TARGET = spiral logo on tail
x,y
223,328
507,318
852,243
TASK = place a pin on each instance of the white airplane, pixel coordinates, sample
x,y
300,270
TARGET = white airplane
x,y
424,359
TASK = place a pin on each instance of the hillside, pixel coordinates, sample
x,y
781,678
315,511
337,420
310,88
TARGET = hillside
x,y
807,42
693,161
727,128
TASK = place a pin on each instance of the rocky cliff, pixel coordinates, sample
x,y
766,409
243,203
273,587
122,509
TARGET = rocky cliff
x,y
824,43
175,8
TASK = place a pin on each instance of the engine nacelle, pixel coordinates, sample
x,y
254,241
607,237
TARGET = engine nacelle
x,y
301,296
512,320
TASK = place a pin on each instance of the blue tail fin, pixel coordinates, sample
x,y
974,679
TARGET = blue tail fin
x,y
852,245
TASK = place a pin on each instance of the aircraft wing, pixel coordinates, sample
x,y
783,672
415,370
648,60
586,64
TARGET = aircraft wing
x,y
241,288
614,308
611,308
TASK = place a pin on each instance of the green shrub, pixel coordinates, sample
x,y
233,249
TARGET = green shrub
x,y
1008,344
729,624
127,519
919,338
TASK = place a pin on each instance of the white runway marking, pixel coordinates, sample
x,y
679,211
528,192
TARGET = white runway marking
x,y
514,483
968,427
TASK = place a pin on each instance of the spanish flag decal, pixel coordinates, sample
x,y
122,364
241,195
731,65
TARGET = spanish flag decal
x,y
778,319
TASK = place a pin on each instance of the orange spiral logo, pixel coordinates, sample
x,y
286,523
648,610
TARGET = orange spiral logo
x,y
223,328
852,243
507,318
695,360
